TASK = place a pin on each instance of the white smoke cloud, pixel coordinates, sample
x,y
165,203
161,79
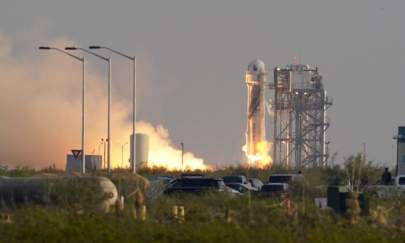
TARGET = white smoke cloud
x,y
40,108
163,152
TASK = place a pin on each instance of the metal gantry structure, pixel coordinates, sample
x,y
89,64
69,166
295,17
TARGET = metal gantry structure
x,y
300,122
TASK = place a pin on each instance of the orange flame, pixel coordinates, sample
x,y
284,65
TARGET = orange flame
x,y
261,159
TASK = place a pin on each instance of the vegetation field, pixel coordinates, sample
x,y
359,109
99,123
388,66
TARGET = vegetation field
x,y
211,217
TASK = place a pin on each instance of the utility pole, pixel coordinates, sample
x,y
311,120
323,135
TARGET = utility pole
x,y
362,163
122,154
104,161
182,156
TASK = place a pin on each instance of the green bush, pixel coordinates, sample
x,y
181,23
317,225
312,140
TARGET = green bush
x,y
211,217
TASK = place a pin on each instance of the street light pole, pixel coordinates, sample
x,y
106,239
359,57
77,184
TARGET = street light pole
x,y
134,115
83,118
182,156
109,118
108,60
83,130
133,59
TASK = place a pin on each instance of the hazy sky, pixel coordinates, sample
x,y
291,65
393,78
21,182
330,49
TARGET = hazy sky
x,y
193,54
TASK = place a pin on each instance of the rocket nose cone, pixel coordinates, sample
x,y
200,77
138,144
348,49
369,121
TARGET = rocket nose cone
x,y
257,66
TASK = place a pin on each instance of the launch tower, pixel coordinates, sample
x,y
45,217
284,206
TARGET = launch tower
x,y
300,123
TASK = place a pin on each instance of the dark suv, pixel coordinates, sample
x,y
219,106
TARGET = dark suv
x,y
273,189
195,185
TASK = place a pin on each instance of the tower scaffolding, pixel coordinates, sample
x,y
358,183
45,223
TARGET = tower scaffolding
x,y
300,123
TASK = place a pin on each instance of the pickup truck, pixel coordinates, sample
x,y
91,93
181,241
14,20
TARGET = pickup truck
x,y
197,185
239,183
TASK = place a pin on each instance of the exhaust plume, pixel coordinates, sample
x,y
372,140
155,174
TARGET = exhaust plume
x,y
40,109
262,158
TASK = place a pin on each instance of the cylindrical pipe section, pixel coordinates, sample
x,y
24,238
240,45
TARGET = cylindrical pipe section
x,y
65,191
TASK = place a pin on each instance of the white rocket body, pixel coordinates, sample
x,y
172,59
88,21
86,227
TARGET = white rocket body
x,y
255,131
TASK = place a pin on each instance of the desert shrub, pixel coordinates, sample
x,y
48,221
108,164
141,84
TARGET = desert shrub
x,y
19,172
210,217
270,224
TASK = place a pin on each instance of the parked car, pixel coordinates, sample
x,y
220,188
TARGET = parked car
x,y
165,179
286,178
197,185
273,189
192,175
239,183
241,179
242,188
397,186
256,183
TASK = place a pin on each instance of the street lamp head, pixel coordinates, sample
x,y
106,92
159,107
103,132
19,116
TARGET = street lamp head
x,y
94,47
70,48
44,48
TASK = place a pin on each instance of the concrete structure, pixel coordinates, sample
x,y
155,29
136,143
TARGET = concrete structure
x,y
255,130
93,163
400,151
300,123
142,150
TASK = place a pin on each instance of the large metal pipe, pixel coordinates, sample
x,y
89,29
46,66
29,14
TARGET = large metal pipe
x,y
65,191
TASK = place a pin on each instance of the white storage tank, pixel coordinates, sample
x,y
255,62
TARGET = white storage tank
x,y
142,149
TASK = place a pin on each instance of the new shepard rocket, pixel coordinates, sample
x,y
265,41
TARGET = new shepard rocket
x,y
255,131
